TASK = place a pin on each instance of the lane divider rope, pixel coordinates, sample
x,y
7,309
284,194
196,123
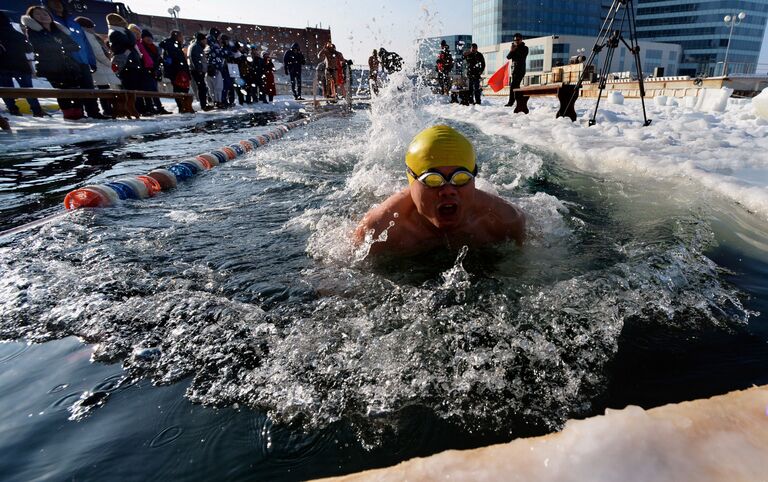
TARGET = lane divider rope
x,y
111,192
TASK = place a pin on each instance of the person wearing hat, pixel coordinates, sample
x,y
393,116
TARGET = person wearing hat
x,y
15,64
293,60
103,76
441,206
84,57
518,52
53,60
216,66
126,59
198,63
150,56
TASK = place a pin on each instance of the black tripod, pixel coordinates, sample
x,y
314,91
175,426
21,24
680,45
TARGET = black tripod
x,y
609,37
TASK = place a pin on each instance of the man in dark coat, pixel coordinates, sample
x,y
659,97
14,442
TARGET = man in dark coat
x,y
14,64
516,56
84,56
199,66
175,64
475,68
293,60
444,66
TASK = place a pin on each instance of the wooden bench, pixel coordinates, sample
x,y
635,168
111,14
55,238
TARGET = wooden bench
x,y
123,101
566,93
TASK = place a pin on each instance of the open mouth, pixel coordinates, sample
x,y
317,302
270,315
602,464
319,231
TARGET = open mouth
x,y
447,210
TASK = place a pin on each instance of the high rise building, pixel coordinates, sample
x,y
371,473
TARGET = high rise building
x,y
699,28
496,21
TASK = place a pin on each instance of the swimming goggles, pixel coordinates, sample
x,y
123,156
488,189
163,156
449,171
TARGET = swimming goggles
x,y
433,178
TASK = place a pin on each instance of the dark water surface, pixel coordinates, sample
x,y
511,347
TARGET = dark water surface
x,y
227,329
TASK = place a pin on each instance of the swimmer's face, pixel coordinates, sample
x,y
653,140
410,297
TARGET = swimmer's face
x,y
445,207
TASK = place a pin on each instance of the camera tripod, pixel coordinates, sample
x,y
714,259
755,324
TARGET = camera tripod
x,y
610,36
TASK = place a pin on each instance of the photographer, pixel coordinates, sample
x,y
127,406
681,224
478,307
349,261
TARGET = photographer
x,y
444,65
517,55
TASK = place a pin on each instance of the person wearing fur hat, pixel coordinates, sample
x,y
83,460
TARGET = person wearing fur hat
x,y
84,57
53,48
126,59
103,77
14,64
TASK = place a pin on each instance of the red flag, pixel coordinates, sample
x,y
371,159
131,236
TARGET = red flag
x,y
500,79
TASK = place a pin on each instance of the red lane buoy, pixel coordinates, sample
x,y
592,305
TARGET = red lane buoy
x,y
153,187
87,197
231,154
210,159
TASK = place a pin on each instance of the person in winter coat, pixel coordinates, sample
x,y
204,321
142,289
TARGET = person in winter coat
x,y
270,90
199,66
103,77
53,48
328,56
255,78
518,52
126,60
341,73
175,64
373,72
14,64
216,66
475,68
153,70
444,67
85,57
293,60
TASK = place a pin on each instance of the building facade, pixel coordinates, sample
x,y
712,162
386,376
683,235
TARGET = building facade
x,y
698,26
496,21
430,47
554,50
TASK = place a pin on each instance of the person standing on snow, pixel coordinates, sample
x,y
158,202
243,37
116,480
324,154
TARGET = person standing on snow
x,y
444,67
199,67
175,64
518,52
475,68
14,64
293,60
373,72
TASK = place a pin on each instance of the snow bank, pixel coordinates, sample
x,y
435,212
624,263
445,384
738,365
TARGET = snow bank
x,y
761,104
31,132
723,438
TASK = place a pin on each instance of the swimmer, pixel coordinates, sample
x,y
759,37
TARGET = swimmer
x,y
441,206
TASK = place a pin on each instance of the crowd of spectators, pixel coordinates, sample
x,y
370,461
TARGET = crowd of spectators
x,y
65,50
55,44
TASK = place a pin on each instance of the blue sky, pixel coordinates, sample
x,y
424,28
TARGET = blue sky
x,y
357,26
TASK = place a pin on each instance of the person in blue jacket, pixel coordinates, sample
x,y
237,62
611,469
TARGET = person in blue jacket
x,y
84,57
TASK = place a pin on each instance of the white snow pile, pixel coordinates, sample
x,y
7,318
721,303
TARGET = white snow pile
x,y
711,142
30,132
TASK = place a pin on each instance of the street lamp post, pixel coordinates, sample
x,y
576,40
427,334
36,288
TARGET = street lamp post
x,y
731,20
175,14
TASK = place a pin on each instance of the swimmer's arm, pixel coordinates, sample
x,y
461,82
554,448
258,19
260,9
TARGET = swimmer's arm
x,y
510,221
378,219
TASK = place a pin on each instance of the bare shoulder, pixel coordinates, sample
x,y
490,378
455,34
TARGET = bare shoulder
x,y
505,220
378,219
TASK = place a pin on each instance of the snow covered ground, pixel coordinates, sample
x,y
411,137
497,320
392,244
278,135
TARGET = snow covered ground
x,y
722,151
31,132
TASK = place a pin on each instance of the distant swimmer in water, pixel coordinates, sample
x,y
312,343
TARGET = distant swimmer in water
x,y
441,206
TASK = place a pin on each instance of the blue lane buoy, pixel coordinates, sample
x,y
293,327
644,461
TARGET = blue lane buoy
x,y
191,166
255,142
181,172
238,149
222,157
123,191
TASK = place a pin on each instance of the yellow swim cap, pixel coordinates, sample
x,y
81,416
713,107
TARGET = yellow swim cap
x,y
439,146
